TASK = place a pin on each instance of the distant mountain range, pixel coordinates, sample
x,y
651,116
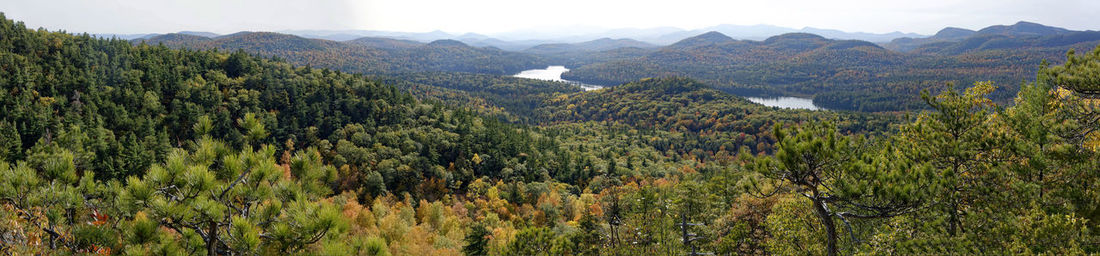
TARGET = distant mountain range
x,y
651,37
668,35
999,36
522,40
592,39
840,73
602,44
845,74
369,55
761,32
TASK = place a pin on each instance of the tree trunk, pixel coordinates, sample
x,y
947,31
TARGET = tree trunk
x,y
830,227
955,225
212,240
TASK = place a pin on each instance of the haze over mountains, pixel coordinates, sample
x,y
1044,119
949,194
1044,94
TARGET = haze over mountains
x,y
519,40
649,37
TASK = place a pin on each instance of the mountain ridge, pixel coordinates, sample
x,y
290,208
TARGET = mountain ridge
x,y
368,56
840,74
602,44
1022,30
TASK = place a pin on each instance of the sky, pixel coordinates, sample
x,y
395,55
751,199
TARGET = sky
x,y
500,16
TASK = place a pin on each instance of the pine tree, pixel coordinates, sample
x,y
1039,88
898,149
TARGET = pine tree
x,y
477,241
530,242
958,140
839,176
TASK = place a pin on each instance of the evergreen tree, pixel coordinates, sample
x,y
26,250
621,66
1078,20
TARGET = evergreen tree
x,y
959,141
839,178
477,241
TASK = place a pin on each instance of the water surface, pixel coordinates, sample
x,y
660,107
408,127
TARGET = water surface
x,y
553,73
786,102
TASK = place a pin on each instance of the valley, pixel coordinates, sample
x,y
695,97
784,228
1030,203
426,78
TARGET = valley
x,y
711,140
786,102
553,73
836,74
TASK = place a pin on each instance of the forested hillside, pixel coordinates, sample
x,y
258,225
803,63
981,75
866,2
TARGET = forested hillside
x,y
444,71
837,74
365,55
84,114
517,99
109,147
852,75
712,120
598,45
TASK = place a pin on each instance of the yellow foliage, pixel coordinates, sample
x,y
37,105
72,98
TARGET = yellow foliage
x,y
476,159
500,239
1093,142
46,100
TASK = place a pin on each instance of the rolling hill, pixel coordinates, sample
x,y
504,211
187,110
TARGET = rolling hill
x,y
1022,34
363,55
602,44
847,74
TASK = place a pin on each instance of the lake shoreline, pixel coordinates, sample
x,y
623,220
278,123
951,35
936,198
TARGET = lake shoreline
x,y
786,102
553,73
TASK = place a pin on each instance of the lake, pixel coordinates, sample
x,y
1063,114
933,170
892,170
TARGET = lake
x,y
553,73
786,102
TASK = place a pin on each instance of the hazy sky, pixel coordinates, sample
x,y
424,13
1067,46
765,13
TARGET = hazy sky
x,y
495,16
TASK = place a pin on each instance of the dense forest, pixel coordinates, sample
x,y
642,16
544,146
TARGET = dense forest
x,y
709,120
515,99
109,147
